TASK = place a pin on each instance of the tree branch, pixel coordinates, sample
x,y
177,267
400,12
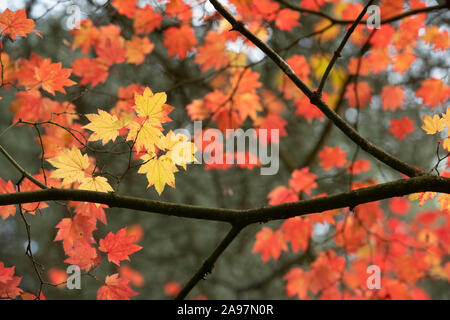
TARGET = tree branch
x,y
239,217
209,263
341,46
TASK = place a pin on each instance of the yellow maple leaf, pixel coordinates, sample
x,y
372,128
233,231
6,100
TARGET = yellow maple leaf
x,y
70,165
446,118
179,149
446,144
146,135
159,171
433,125
150,105
104,125
98,183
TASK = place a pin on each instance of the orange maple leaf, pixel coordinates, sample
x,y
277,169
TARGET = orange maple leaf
x,y
115,288
282,194
331,157
298,231
9,283
392,97
118,246
15,23
179,40
303,180
270,243
83,255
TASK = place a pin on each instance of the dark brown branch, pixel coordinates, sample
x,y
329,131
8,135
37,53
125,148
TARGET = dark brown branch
x,y
337,52
315,99
242,217
207,266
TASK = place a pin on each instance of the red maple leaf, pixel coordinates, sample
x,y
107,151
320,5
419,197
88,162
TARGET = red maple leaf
x,y
15,23
8,283
331,157
282,194
297,230
83,255
303,180
392,97
118,246
115,288
270,243
179,40
401,127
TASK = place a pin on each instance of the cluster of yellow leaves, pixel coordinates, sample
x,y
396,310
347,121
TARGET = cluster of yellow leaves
x,y
163,152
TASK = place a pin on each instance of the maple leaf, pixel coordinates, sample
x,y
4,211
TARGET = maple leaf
x,y
90,210
52,77
433,125
306,109
15,23
331,157
104,125
439,39
159,171
83,255
383,36
303,180
433,92
38,72
401,127
99,184
125,7
151,106
298,231
76,229
270,243
364,94
287,19
297,283
300,66
282,194
213,53
93,71
118,246
115,288
358,166
179,9
70,165
10,210
85,36
197,110
136,278
402,61
146,20
137,48
9,283
180,150
179,40
146,136
392,97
